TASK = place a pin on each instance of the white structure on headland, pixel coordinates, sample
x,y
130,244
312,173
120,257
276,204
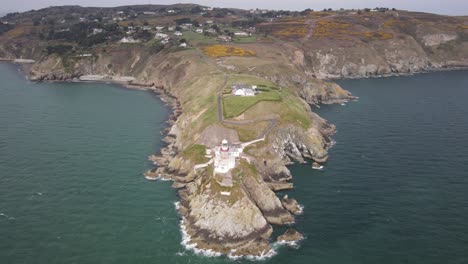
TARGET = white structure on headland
x,y
129,40
225,156
244,90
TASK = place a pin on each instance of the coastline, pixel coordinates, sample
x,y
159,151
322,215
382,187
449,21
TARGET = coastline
x,y
169,151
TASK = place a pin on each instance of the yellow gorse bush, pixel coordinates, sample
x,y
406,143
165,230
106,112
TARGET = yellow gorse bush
x,y
340,30
225,51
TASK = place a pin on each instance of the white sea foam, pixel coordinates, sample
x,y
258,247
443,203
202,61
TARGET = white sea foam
x,y
301,209
317,168
193,246
263,256
151,178
158,178
293,244
7,216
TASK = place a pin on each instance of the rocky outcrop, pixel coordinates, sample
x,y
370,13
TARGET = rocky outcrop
x,y
319,92
437,39
291,235
267,201
230,224
291,205
295,144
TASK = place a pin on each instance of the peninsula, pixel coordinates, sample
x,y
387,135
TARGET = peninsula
x,y
241,84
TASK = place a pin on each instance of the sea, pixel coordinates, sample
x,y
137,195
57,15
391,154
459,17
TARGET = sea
x,y
72,158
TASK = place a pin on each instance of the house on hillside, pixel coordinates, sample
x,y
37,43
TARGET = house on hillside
x,y
241,34
224,38
129,40
177,33
244,90
161,36
199,30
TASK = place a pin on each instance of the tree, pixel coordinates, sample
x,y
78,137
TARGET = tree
x,y
184,20
196,10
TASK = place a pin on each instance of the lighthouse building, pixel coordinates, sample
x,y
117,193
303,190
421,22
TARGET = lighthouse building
x,y
225,156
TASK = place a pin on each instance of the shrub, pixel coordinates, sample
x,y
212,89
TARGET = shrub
x,y
225,51
59,49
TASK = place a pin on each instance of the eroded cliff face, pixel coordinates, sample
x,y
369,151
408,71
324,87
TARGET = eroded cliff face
x,y
294,144
317,92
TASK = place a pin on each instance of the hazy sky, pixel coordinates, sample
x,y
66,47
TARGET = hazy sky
x,y
451,7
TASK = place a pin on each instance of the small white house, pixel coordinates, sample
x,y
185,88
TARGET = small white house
x,y
171,11
146,28
159,28
161,36
171,28
183,45
224,38
199,30
241,34
129,40
244,92
178,33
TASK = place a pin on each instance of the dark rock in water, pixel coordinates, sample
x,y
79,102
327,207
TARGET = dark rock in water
x,y
291,235
291,205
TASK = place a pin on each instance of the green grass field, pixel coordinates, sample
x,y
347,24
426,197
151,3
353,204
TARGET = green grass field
x,y
195,153
196,38
236,105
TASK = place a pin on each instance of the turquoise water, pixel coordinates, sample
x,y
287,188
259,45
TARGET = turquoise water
x,y
72,191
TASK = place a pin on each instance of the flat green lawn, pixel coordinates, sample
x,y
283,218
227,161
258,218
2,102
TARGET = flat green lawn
x,y
250,39
194,37
236,105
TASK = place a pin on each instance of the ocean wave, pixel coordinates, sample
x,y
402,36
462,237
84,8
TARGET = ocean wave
x,y
264,256
318,168
7,217
293,244
158,178
193,246
301,209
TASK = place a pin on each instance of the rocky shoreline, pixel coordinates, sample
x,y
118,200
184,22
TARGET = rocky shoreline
x,y
203,214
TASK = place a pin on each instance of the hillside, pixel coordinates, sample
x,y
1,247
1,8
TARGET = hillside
x,y
194,56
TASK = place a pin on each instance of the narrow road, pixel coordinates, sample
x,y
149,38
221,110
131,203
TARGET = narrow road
x,y
272,119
